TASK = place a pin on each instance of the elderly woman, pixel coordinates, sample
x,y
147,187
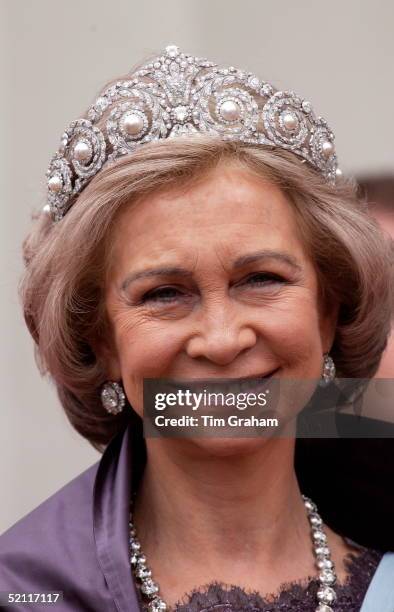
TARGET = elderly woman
x,y
197,226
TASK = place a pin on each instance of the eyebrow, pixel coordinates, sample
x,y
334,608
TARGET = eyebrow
x,y
244,260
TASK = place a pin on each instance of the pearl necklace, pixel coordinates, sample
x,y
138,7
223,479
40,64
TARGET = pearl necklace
x,y
327,576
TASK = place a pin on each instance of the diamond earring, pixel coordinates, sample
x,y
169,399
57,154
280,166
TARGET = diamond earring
x,y
328,373
113,397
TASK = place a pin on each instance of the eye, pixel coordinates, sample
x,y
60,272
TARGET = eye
x,y
170,294
265,278
161,294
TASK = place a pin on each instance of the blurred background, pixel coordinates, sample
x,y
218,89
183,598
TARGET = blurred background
x,y
56,55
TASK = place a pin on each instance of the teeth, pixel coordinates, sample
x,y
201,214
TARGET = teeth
x,y
230,385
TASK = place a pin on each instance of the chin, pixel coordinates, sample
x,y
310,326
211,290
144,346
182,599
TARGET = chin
x,y
227,447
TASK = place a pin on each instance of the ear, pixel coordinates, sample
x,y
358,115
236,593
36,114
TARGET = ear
x,y
328,325
107,355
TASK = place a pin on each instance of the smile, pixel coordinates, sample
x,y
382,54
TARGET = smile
x,y
244,384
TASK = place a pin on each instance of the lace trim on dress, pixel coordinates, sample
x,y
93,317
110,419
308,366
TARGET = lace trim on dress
x,y
296,596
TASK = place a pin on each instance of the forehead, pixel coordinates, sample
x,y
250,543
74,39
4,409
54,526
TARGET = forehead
x,y
224,212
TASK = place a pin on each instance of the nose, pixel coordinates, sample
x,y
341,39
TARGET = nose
x,y
223,333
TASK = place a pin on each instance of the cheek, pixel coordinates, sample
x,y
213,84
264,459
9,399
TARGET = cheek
x,y
140,342
145,351
293,335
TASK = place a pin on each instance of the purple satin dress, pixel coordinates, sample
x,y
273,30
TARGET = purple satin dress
x,y
77,542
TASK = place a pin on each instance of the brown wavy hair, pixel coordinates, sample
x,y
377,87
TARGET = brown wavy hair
x,y
62,289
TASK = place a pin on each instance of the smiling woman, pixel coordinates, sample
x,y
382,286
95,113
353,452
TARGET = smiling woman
x,y
196,257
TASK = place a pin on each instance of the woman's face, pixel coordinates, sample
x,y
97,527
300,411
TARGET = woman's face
x,y
213,281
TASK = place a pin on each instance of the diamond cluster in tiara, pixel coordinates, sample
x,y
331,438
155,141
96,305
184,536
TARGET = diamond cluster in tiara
x,y
177,94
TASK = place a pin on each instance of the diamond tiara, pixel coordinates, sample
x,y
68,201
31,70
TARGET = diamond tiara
x,y
177,94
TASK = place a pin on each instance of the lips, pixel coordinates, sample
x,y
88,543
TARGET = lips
x,y
244,384
255,376
241,384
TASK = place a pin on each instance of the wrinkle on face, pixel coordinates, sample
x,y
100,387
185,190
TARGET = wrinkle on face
x,y
204,229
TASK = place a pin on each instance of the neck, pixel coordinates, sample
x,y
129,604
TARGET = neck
x,y
194,501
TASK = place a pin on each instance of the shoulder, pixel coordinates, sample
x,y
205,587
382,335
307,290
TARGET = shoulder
x,y
42,533
52,547
380,592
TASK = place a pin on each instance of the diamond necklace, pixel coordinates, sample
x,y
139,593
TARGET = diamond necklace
x,y
327,576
